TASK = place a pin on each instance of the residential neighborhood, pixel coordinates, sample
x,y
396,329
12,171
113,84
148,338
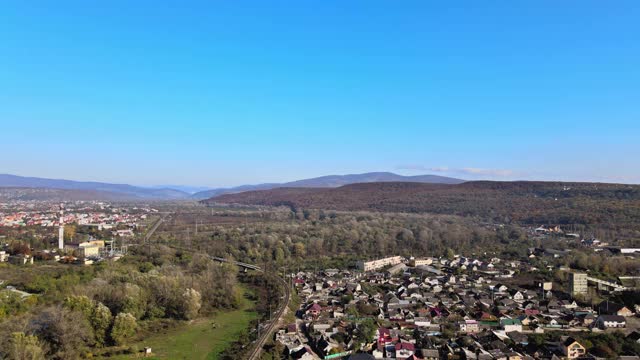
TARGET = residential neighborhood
x,y
98,214
438,308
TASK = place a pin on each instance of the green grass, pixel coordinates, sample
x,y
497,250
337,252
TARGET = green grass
x,y
199,339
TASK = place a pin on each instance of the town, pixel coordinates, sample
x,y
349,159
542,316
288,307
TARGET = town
x,y
52,230
448,308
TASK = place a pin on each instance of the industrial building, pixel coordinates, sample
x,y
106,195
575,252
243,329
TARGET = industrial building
x,y
86,249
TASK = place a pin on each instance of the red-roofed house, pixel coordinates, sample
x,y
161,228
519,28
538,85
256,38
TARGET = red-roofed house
x,y
314,309
404,350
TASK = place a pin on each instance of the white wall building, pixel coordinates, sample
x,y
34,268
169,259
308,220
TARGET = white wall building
x,y
378,264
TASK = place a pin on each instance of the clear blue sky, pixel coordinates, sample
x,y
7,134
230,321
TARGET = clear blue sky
x,y
231,92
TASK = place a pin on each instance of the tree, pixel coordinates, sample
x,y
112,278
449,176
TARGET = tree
x,y
19,247
299,249
364,333
100,320
79,303
67,332
133,301
450,254
96,313
124,327
25,347
278,255
69,232
191,303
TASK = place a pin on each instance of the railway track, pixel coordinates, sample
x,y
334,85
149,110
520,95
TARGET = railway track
x,y
259,343
255,353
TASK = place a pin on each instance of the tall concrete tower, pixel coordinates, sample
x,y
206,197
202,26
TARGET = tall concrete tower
x,y
61,229
578,284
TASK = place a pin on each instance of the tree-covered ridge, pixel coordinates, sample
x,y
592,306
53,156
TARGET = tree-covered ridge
x,y
611,206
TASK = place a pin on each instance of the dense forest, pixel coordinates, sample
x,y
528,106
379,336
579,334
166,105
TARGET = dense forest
x,y
612,207
326,238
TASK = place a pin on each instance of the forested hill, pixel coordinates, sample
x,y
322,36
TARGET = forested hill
x,y
616,205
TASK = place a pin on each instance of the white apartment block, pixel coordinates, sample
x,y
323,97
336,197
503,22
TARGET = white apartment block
x,y
378,264
420,262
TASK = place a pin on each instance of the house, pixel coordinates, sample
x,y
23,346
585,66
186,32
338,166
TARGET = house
x,y
302,353
572,349
587,319
314,309
404,350
322,327
469,326
124,233
512,355
397,269
384,336
500,288
430,354
611,308
610,321
511,325
516,295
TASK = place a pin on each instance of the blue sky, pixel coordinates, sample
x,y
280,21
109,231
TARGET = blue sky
x,y
220,93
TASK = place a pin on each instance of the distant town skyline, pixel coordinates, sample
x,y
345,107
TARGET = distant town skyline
x,y
227,94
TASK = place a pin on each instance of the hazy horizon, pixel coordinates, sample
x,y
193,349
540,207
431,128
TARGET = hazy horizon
x,y
225,94
192,188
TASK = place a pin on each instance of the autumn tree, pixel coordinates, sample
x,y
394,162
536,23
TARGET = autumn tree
x,y
69,232
124,327
191,303
25,347
100,321
67,332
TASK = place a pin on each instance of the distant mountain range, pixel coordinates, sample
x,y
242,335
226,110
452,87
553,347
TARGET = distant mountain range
x,y
332,181
107,191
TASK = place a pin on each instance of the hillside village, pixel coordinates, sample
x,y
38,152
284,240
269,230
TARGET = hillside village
x,y
438,308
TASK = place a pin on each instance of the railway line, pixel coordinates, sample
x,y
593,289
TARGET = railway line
x,y
259,343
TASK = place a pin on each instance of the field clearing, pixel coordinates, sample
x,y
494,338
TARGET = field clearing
x,y
199,339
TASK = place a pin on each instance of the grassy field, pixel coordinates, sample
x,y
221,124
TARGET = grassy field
x,y
199,339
